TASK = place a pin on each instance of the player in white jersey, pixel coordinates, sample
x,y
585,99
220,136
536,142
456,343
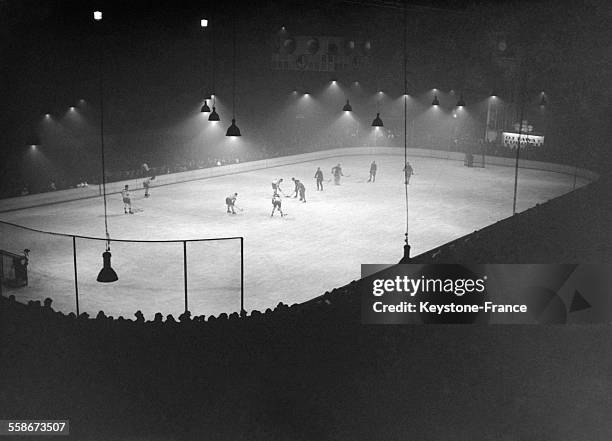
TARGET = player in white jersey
x,y
276,186
127,200
276,204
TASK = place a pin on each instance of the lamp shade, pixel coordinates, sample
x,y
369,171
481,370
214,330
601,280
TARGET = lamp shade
x,y
543,101
347,107
107,274
205,108
461,102
214,116
233,130
377,121
435,101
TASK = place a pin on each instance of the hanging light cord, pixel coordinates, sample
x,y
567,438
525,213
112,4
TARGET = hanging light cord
x,y
102,148
234,70
405,127
212,37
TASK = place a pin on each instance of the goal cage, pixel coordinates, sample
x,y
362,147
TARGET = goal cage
x,y
474,159
13,269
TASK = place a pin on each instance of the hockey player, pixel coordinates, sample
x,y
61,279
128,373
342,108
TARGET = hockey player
x,y
146,184
408,171
230,201
319,177
302,191
469,159
296,190
127,200
337,172
373,168
276,186
276,204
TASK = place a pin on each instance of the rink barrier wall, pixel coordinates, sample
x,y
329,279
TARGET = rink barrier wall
x,y
72,194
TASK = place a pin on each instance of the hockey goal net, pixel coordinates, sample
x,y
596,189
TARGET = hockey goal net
x,y
474,160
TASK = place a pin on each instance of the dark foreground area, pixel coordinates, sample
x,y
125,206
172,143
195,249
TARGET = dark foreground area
x,y
314,372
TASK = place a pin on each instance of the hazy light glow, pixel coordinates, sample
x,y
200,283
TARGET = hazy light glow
x,y
72,109
97,15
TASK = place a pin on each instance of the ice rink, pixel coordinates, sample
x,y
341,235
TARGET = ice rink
x,y
318,246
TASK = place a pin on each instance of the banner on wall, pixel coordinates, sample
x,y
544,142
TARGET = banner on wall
x,y
510,139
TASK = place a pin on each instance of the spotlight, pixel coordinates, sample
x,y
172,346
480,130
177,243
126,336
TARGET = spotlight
x,y
233,130
347,107
214,116
71,108
107,274
334,82
435,101
461,102
205,108
203,23
33,141
377,121
97,15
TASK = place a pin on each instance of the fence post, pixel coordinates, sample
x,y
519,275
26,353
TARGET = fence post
x,y
76,282
241,275
185,271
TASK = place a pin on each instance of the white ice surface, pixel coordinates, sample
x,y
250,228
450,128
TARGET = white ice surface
x,y
318,246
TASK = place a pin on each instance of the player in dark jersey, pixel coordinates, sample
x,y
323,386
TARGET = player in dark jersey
x,y
319,177
146,184
408,172
302,191
296,190
373,168
230,201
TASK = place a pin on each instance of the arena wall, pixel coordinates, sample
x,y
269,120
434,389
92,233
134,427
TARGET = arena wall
x,y
54,197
